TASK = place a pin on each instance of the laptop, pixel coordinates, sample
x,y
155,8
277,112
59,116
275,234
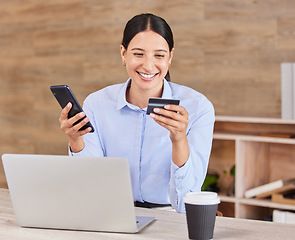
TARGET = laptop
x,y
72,193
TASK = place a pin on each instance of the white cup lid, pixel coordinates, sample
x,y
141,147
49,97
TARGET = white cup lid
x,y
201,198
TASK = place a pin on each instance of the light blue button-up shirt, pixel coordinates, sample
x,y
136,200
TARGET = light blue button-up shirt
x,y
125,130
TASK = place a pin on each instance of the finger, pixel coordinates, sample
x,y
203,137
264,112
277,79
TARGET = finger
x,y
172,119
76,134
164,120
65,112
74,131
176,108
170,114
76,118
81,133
79,125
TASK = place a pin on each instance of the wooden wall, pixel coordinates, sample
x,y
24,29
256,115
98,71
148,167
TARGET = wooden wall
x,y
230,50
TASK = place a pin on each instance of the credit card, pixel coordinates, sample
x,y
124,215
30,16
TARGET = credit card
x,y
160,103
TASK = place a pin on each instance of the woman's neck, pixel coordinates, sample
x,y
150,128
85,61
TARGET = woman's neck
x,y
139,97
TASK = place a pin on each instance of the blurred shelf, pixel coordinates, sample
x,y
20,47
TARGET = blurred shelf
x,y
262,149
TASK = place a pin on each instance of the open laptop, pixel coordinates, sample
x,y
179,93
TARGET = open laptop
x,y
78,193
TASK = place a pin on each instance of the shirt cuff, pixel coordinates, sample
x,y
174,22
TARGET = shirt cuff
x,y
178,185
75,154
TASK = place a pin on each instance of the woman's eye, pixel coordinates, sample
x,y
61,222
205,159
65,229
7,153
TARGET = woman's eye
x,y
138,54
160,56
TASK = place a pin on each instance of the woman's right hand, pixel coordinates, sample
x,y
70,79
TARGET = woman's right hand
x,y
75,136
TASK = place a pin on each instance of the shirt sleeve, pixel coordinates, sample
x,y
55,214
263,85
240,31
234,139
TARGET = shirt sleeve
x,y
190,177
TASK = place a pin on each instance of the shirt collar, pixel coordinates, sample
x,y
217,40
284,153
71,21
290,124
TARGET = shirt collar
x,y
122,102
167,91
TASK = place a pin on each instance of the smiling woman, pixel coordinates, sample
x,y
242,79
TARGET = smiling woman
x,y
147,50
168,152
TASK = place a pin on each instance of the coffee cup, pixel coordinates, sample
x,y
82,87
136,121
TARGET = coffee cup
x,y
201,208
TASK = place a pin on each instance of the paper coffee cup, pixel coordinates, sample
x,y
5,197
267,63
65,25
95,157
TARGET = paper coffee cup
x,y
201,208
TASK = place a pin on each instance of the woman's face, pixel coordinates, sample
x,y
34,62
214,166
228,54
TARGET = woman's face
x,y
147,60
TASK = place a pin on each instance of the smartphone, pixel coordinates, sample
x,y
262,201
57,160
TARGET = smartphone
x,y
64,95
160,103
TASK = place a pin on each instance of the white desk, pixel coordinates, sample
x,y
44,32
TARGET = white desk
x,y
169,225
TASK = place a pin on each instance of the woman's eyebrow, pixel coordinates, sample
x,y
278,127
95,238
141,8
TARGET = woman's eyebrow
x,y
140,49
161,50
137,49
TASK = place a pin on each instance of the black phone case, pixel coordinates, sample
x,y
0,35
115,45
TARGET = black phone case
x,y
64,95
160,103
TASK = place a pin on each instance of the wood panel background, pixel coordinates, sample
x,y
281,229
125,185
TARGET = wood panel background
x,y
229,50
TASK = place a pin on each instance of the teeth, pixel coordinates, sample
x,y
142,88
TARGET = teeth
x,y
147,75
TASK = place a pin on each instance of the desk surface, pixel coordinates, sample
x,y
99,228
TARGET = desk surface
x,y
169,225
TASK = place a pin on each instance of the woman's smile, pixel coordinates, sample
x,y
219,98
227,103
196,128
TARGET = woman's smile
x,y
147,77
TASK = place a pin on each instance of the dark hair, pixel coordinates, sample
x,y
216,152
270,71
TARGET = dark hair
x,y
148,21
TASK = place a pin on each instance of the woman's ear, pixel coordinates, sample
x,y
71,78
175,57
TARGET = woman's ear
x,y
171,55
123,54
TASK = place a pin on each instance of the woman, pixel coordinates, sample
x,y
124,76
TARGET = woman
x,y
168,151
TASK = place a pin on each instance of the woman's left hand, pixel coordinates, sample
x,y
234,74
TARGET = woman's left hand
x,y
174,118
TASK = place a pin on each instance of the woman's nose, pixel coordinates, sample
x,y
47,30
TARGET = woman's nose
x,y
148,65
